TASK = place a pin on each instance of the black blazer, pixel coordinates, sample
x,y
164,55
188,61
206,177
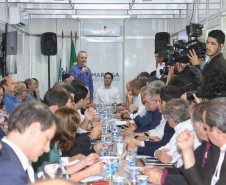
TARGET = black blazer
x,y
218,62
195,176
11,169
175,176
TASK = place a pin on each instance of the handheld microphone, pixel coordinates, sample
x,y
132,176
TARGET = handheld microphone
x,y
84,65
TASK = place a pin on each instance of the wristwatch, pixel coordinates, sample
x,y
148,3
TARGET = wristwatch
x,y
134,112
122,114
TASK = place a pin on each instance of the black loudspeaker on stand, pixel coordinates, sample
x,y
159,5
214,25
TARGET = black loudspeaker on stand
x,y
49,47
161,40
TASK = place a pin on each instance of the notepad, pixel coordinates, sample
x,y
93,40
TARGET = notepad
x,y
92,178
155,162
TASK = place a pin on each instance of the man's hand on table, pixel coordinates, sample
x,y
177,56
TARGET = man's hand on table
x,y
97,131
98,146
132,143
154,174
163,156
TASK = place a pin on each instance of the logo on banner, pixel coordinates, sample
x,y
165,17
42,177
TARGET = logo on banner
x,y
99,77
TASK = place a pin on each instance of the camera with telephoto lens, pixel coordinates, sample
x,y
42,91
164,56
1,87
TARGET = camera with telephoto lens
x,y
165,70
178,52
198,78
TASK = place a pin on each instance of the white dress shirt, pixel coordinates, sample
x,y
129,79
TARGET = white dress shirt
x,y
160,66
141,108
175,152
82,117
159,130
23,159
107,95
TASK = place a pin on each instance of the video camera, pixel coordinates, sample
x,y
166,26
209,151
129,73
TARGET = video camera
x,y
178,52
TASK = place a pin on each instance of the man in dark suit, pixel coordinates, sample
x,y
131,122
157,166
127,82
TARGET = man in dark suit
x,y
214,46
31,128
214,171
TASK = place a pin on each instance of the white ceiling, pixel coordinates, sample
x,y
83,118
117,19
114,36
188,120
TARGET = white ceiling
x,y
111,8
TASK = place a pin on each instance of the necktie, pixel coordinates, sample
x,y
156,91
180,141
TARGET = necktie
x,y
205,66
216,175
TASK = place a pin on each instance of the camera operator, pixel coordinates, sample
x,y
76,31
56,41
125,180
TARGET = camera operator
x,y
214,45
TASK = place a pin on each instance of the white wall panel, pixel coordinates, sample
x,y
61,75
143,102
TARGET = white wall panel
x,y
39,65
140,45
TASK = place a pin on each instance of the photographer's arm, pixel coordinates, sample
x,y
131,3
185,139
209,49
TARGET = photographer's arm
x,y
170,74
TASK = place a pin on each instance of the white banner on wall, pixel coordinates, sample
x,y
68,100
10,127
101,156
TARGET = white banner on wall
x,y
105,57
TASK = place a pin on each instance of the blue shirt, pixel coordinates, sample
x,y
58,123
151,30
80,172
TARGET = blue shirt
x,y
10,102
150,120
30,97
87,79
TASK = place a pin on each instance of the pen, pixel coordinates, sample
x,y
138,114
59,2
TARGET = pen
x,y
152,157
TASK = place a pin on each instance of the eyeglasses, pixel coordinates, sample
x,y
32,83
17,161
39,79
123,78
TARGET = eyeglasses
x,y
148,101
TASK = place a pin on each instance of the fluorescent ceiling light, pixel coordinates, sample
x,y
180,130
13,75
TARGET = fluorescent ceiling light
x,y
102,12
155,16
159,6
38,1
165,1
100,16
101,6
62,12
154,12
101,1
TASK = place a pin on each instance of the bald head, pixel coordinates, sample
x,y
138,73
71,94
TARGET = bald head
x,y
9,84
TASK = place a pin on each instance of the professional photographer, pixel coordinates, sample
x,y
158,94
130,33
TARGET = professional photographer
x,y
214,45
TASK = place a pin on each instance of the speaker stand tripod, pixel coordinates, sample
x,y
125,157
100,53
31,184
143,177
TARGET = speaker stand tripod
x,y
48,72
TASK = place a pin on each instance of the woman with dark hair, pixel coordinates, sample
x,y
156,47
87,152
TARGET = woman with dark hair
x,y
4,116
214,84
65,136
53,164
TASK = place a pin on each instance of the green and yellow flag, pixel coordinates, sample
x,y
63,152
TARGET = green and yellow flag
x,y
73,59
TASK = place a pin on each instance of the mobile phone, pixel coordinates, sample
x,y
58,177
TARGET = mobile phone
x,y
93,142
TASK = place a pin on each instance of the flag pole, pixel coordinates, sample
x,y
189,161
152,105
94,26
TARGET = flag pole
x,y
76,37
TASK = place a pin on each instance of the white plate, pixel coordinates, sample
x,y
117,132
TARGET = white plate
x,y
92,178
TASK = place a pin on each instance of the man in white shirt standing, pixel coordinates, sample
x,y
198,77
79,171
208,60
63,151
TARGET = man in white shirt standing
x,y
107,94
31,128
159,65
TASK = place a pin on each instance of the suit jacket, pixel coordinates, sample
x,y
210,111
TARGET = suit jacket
x,y
195,176
2,133
151,147
150,120
11,169
175,176
218,62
